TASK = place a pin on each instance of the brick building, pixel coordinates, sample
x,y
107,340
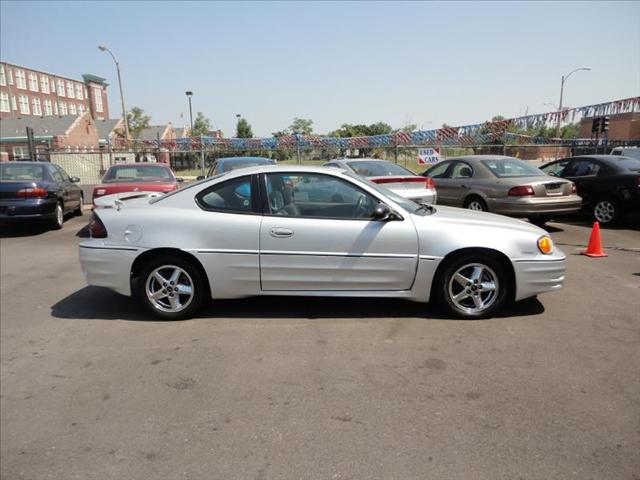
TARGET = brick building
x,y
69,133
622,126
28,92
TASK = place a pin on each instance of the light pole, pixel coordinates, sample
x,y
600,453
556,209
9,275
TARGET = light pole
x,y
103,48
189,94
564,79
238,116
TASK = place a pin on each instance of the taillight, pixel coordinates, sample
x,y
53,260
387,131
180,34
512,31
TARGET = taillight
x,y
521,191
573,188
96,227
32,192
430,183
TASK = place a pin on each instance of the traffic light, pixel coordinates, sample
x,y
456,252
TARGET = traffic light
x,y
595,125
604,124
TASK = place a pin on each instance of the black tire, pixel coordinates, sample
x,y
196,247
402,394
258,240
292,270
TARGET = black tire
x,y
78,211
606,211
193,275
476,203
58,220
447,286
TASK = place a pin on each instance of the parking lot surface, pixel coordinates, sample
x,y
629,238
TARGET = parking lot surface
x,y
288,388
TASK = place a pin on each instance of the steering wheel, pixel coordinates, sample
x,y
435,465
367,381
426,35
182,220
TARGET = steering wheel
x,y
361,206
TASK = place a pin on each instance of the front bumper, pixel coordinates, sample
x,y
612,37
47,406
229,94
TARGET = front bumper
x,y
107,266
532,206
539,276
30,209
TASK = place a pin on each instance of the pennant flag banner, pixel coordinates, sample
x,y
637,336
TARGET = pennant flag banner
x,y
480,133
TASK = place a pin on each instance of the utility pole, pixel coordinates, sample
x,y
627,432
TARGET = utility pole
x,y
564,79
103,48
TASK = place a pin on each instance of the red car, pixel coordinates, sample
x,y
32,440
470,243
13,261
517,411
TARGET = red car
x,y
137,177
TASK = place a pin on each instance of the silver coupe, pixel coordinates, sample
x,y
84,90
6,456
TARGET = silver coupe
x,y
288,230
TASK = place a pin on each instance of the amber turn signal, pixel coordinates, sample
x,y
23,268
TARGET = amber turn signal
x,y
545,245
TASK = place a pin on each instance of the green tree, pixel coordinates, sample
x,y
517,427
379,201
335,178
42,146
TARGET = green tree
x,y
243,129
301,126
137,121
281,133
201,126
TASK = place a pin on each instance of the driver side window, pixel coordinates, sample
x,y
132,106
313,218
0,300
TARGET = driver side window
x,y
232,196
315,195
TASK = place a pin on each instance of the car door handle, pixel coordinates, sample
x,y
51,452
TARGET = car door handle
x,y
281,232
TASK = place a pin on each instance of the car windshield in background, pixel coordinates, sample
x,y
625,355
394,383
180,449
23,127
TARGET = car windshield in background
x,y
17,172
227,166
628,163
378,169
130,173
506,168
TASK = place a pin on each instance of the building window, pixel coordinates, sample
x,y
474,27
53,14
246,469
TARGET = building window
x,y
14,103
97,96
21,79
23,100
79,91
81,108
48,108
55,108
61,88
70,92
63,109
72,109
3,79
44,84
4,102
19,153
33,82
37,107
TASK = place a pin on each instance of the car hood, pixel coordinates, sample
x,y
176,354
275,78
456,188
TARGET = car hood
x,y
467,218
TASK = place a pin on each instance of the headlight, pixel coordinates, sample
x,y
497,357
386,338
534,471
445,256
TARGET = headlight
x,y
545,245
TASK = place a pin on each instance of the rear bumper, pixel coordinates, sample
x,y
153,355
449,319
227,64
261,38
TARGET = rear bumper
x,y
527,206
418,195
105,266
538,276
31,209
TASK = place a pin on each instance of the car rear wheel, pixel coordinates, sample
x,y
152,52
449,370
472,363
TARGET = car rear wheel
x,y
473,286
606,211
172,288
58,217
476,203
78,211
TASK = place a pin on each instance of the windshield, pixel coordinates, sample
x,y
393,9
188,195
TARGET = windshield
x,y
512,167
132,173
17,172
378,169
229,165
405,203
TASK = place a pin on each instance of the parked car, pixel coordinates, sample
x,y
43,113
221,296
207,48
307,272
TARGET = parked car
x,y
633,152
505,185
608,184
227,164
36,192
393,176
136,177
257,231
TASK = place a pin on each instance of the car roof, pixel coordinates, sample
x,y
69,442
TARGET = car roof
x,y
279,168
140,164
26,162
599,157
477,158
226,159
358,160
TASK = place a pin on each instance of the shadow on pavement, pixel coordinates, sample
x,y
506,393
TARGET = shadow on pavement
x,y
26,229
627,222
94,303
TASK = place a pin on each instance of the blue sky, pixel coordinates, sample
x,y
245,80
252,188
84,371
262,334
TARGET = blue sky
x,y
361,62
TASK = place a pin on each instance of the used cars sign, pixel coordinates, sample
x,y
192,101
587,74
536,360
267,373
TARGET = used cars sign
x,y
428,156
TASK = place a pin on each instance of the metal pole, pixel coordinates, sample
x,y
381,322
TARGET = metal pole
x,y
124,110
190,115
201,157
298,149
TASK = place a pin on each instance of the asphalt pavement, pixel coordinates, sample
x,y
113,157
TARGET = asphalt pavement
x,y
289,388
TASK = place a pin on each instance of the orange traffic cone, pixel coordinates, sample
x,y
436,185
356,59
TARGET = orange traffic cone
x,y
594,249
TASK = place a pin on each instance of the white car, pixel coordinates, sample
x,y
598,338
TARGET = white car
x,y
633,152
394,177
290,230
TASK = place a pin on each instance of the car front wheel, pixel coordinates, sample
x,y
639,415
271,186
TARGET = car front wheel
x,y
473,286
172,288
477,204
58,217
606,211
78,211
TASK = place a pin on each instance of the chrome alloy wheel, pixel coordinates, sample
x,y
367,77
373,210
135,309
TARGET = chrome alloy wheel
x,y
169,288
604,211
475,205
473,288
59,215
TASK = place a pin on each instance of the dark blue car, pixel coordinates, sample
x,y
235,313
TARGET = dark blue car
x,y
37,192
227,164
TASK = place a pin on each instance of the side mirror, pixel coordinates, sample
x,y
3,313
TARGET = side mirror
x,y
199,177
75,179
383,213
179,179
